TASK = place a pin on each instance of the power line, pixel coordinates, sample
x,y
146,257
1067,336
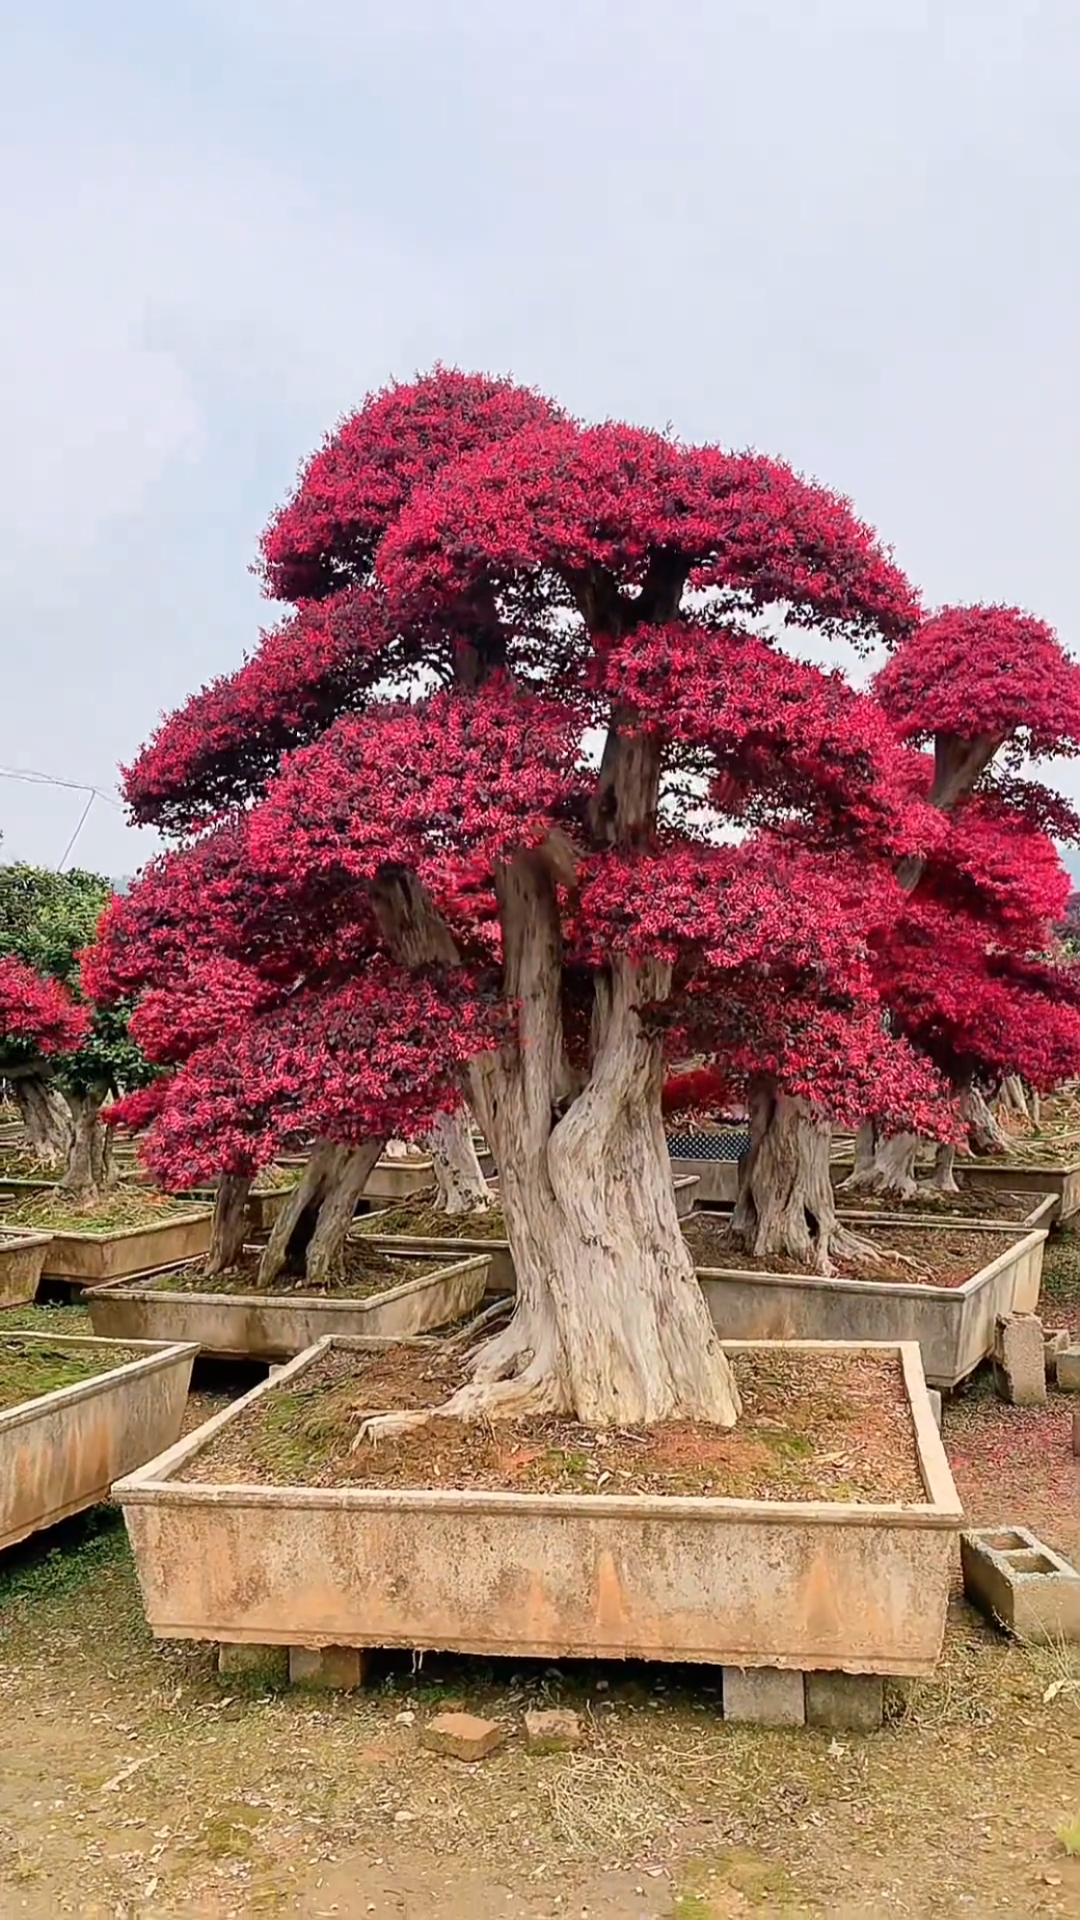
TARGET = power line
x,y
90,798
33,777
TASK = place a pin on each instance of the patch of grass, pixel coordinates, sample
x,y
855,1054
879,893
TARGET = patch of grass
x,y
125,1207
50,1566
1068,1838
51,1318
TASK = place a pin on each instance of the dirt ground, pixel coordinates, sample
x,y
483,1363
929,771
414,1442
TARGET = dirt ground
x,y
135,1782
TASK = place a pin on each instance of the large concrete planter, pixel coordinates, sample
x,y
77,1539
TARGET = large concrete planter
x,y
399,1179
89,1259
712,1159
25,1189
22,1256
501,1275
952,1326
259,1326
745,1583
61,1452
1009,1176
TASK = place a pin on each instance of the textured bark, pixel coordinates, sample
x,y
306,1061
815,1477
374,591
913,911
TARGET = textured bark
x,y
459,1176
1013,1097
337,1210
785,1204
46,1118
891,1173
302,1241
230,1224
943,1177
88,1173
865,1146
984,1135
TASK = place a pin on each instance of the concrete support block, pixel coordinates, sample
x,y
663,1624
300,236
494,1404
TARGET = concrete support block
x,y
1021,1584
851,1702
1056,1341
1068,1370
336,1669
765,1696
934,1398
1076,1433
1020,1360
268,1666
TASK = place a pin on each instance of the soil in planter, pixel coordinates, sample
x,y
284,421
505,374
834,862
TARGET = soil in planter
x,y
826,1427
934,1256
124,1207
419,1218
973,1203
366,1272
29,1370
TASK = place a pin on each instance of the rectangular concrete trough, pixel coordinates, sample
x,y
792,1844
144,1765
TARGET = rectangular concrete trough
x,y
501,1275
953,1326
275,1327
1010,1176
90,1259
746,1583
22,1256
397,1179
61,1452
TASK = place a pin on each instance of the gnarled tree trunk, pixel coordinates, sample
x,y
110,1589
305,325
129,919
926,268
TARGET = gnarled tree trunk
x,y
459,1177
943,1179
89,1169
984,1135
610,1324
308,1236
891,1172
230,1224
46,1118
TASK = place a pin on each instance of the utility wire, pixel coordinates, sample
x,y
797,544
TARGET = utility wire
x,y
90,798
33,778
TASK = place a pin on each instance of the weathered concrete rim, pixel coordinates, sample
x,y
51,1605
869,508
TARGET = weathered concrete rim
x,y
129,1233
158,1355
13,1238
940,1509
909,1290
1043,1209
132,1288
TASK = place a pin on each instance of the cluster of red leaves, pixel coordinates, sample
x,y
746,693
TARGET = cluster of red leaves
x,y
37,1014
377,1056
448,787
699,1090
361,478
573,500
984,672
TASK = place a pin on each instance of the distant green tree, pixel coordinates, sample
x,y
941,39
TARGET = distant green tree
x,y
46,919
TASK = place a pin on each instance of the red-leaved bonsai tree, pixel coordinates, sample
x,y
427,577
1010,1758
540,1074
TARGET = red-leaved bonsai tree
x,y
482,587
989,688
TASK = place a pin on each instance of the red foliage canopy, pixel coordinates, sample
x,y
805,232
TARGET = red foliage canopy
x,y
37,1014
984,672
544,579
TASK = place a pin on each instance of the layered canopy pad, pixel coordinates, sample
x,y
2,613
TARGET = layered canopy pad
x,y
378,1056
780,738
625,518
994,865
359,481
984,673
211,901
980,1012
37,1015
449,788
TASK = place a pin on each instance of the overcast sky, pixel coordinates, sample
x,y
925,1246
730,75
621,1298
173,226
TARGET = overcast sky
x,y
844,231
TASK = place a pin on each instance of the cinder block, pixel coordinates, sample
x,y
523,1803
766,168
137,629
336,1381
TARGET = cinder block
x,y
1021,1584
765,1696
854,1702
464,1736
337,1669
1068,1370
1020,1360
267,1665
1056,1341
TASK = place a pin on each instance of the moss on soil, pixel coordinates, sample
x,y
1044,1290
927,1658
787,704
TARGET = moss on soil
x,y
365,1271
29,1370
123,1207
419,1218
828,1427
933,1256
